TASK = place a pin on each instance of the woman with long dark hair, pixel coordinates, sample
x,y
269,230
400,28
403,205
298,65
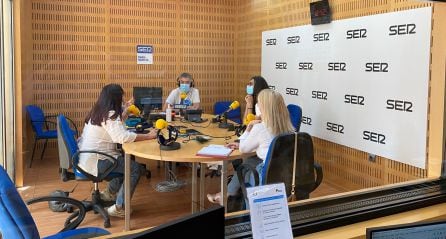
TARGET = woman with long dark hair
x,y
102,131
255,85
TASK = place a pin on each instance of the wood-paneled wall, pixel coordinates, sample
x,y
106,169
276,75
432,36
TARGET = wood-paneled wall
x,y
71,48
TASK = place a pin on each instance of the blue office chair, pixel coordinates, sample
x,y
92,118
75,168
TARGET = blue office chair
x,y
222,106
17,222
295,115
41,127
278,166
71,150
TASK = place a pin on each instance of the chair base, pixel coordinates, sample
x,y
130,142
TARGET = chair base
x,y
98,206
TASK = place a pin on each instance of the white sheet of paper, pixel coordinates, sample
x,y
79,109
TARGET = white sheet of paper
x,y
269,213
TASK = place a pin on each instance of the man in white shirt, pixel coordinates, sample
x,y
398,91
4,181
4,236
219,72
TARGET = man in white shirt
x,y
185,94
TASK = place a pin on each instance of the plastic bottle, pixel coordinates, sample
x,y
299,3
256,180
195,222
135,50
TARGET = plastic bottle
x,y
168,114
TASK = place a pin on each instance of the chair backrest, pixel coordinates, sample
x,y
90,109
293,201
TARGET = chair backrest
x,y
37,118
15,219
69,144
295,115
222,106
278,165
64,156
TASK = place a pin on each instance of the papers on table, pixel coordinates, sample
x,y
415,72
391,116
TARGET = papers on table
x,y
216,151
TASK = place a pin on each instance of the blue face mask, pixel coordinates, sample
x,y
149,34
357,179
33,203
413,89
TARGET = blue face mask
x,y
250,89
185,87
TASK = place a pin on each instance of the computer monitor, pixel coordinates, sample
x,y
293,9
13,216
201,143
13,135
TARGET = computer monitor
x,y
148,98
209,223
424,230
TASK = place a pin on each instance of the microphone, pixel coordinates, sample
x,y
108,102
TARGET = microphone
x,y
133,110
161,124
234,105
249,117
183,96
240,129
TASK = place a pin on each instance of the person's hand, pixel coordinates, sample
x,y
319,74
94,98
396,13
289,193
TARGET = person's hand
x,y
152,133
129,102
251,124
249,101
232,145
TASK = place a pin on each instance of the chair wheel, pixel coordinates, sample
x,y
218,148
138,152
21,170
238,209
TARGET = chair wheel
x,y
107,224
148,174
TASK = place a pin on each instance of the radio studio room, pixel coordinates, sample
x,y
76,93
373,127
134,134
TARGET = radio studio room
x,y
279,119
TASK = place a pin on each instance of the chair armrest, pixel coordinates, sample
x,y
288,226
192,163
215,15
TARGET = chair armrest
x,y
319,175
78,214
71,121
101,176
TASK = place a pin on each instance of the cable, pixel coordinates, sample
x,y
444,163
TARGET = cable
x,y
172,183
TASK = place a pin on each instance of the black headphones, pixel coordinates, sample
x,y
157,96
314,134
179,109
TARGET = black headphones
x,y
173,135
185,75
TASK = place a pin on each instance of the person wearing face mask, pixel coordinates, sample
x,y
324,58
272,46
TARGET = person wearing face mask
x,y
186,93
255,85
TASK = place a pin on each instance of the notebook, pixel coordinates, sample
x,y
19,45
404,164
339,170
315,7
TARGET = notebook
x,y
215,151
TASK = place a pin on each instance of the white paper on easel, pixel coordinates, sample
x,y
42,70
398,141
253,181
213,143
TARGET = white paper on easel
x,y
269,213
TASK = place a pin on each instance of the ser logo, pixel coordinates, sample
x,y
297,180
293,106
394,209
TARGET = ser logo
x,y
354,99
271,42
272,87
306,120
403,29
338,128
306,66
337,66
399,105
293,39
376,67
292,91
325,36
321,95
281,65
374,137
357,33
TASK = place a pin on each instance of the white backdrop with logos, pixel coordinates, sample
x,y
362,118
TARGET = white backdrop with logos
x,y
361,82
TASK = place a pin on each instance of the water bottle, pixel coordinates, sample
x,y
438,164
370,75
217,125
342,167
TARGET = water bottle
x,y
168,114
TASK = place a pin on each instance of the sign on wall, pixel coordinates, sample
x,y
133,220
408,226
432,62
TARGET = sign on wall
x,y
144,54
361,82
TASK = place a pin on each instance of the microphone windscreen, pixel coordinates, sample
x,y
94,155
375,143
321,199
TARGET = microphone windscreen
x,y
249,117
183,95
133,110
234,105
160,124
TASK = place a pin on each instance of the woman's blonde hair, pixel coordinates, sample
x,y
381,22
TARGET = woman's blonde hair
x,y
275,114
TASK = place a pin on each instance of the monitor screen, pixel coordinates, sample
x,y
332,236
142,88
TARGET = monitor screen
x,y
148,98
209,223
424,230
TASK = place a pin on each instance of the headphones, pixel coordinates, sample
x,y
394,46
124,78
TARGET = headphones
x,y
173,135
185,75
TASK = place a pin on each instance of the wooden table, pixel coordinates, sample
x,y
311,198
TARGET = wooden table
x,y
187,153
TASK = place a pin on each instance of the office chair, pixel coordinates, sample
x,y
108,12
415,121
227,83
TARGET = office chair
x,y
69,151
278,166
222,106
17,222
295,115
41,127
